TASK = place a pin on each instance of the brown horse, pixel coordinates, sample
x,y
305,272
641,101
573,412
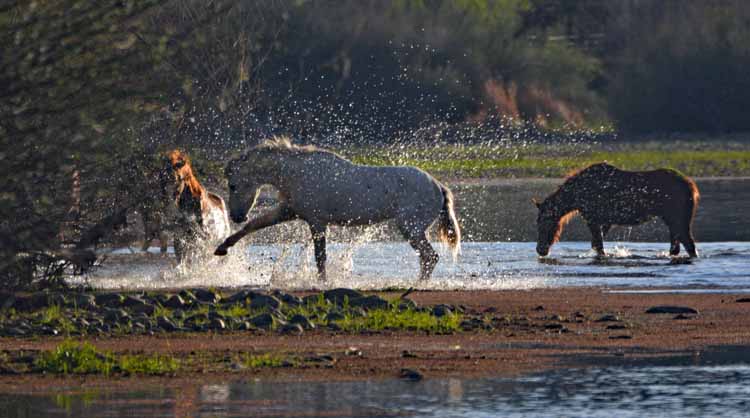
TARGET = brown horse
x,y
201,215
606,196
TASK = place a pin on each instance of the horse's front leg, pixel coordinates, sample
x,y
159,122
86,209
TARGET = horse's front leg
x,y
276,215
319,240
597,239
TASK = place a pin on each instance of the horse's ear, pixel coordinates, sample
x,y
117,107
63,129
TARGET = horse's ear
x,y
536,202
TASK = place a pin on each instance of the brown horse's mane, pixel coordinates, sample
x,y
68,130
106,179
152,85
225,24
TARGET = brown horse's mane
x,y
561,224
196,189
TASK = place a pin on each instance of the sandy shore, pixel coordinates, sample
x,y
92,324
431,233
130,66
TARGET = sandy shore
x,y
531,331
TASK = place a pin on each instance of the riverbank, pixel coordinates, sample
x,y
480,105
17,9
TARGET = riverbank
x,y
514,159
489,334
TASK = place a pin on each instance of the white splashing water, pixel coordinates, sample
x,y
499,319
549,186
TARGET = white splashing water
x,y
371,264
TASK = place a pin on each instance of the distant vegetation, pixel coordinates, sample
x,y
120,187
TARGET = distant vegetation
x,y
94,90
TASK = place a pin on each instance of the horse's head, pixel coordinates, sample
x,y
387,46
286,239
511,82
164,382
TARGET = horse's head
x,y
179,174
242,188
548,227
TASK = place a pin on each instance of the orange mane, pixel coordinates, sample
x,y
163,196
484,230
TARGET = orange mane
x,y
185,170
561,223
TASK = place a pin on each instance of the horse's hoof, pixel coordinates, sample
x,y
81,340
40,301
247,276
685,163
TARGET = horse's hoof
x,y
220,251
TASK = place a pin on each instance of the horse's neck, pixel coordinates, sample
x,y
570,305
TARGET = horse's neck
x,y
565,201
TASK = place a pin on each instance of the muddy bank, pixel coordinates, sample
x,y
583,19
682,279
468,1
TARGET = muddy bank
x,y
500,333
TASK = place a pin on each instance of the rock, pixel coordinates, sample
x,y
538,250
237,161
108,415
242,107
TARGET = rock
x,y
206,296
337,296
333,317
353,352
411,375
620,337
616,326
608,318
301,320
166,324
669,309
683,316
112,316
743,300
333,326
217,324
6,300
539,308
111,300
199,317
83,301
553,326
174,302
288,299
408,354
188,297
441,310
243,297
216,315
263,321
369,302
291,329
143,308
245,326
406,304
471,324
260,301
178,314
311,299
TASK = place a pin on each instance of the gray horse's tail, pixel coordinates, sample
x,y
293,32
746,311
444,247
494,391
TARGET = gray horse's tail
x,y
448,229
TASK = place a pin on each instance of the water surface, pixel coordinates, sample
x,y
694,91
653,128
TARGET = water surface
x,y
492,265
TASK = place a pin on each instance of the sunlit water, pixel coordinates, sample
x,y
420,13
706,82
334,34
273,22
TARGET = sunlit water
x,y
381,265
695,388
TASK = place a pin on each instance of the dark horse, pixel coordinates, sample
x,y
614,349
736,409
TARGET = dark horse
x,y
605,195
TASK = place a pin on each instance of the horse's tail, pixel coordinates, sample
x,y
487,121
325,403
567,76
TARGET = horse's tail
x,y
695,197
448,230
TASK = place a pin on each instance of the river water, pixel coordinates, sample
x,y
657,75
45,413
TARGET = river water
x,y
493,266
710,384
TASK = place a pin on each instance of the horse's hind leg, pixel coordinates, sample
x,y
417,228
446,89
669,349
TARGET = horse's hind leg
x,y
686,237
428,258
674,243
319,240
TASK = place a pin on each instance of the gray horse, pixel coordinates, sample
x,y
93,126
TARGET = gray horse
x,y
323,188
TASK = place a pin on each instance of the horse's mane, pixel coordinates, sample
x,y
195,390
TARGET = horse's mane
x,y
284,144
561,224
196,189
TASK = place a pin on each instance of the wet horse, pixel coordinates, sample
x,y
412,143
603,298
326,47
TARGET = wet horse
x,y
323,188
606,196
200,214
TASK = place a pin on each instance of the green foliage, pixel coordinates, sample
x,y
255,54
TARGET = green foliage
x,y
263,360
71,357
147,364
396,319
683,67
540,161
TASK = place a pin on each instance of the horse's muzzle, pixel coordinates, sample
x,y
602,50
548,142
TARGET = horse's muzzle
x,y
542,251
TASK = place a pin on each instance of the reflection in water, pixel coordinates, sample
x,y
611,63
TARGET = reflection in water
x,y
493,265
688,387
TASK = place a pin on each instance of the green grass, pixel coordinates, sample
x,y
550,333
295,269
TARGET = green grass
x,y
71,357
695,160
263,361
395,319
